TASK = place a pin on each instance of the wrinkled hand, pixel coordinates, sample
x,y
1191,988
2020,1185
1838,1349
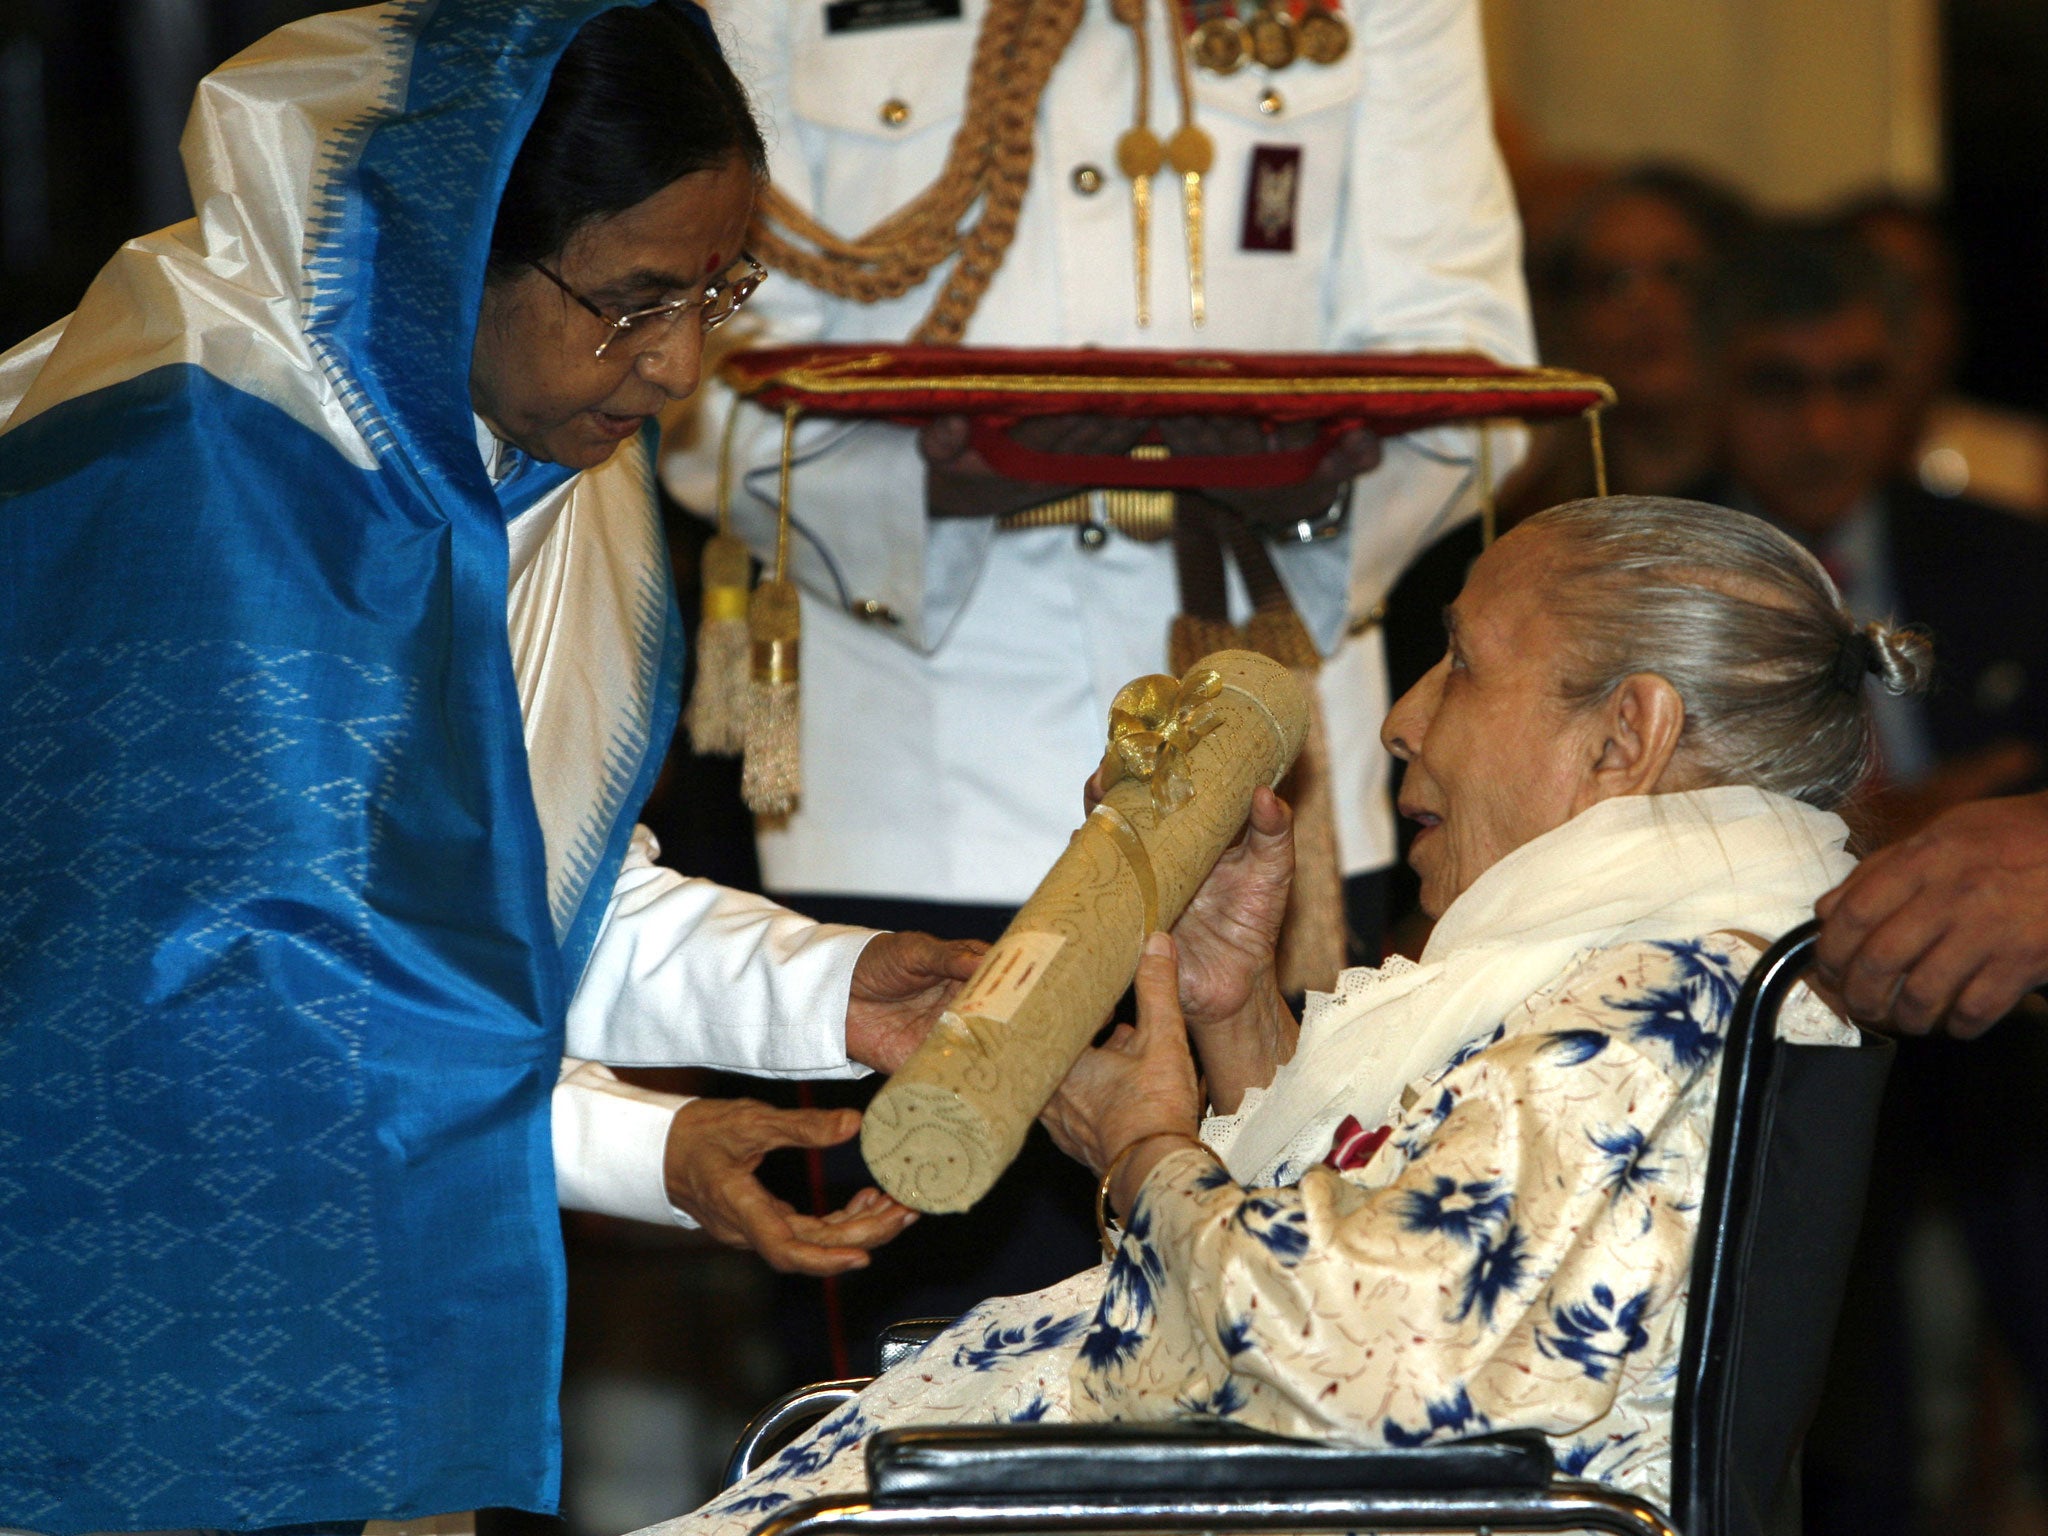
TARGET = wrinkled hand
x,y
714,1148
959,482
1226,938
1949,927
1139,1082
901,984
1231,927
1356,452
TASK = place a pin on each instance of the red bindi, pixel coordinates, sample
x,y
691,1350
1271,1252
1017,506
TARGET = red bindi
x,y
713,264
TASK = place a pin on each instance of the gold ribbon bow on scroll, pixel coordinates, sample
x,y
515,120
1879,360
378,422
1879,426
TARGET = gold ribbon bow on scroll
x,y
1154,724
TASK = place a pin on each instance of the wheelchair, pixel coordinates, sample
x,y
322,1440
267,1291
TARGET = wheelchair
x,y
1792,1133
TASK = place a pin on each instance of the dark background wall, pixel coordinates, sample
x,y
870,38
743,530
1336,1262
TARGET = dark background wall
x,y
93,96
1996,67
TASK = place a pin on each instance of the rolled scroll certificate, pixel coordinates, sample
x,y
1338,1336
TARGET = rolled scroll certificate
x,y
1185,757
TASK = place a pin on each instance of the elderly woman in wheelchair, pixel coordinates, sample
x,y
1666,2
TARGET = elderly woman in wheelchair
x,y
1460,1195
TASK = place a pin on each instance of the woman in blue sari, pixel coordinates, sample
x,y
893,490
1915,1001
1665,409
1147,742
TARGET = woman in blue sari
x,y
337,651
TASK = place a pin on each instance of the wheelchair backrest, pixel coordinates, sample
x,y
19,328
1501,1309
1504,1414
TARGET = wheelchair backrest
x,y
1793,1128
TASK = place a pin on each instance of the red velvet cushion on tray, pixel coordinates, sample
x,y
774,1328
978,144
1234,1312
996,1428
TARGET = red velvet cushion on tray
x,y
1389,393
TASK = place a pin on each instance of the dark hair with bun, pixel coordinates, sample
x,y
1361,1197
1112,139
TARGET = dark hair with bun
x,y
1741,620
641,96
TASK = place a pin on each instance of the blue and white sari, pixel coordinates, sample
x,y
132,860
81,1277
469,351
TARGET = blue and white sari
x,y
289,914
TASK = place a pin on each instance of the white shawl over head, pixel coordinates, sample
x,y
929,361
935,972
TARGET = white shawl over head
x,y
1639,867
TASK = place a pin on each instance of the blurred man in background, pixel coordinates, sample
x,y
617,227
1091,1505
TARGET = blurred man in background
x,y
1618,291
1813,335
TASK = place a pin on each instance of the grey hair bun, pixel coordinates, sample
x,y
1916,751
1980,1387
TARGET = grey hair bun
x,y
1902,659
1743,622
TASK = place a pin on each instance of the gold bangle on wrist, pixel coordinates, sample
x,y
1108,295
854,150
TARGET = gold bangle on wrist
x,y
1102,1229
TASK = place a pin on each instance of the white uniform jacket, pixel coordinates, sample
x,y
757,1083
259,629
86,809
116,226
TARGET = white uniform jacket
x,y
944,751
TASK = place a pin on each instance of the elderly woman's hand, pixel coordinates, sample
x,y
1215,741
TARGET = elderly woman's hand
x,y
1138,1084
1226,938
1229,988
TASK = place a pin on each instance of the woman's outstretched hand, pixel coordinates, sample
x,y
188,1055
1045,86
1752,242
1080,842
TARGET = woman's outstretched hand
x,y
1139,1083
715,1147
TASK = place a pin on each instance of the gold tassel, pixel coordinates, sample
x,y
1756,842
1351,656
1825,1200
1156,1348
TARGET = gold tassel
x,y
1190,639
771,780
1278,632
717,716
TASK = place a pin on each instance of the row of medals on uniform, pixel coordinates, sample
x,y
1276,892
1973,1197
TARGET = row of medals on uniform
x,y
1223,43
1220,41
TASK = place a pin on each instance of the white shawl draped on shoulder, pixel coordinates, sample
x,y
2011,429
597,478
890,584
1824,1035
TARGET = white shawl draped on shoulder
x,y
1673,866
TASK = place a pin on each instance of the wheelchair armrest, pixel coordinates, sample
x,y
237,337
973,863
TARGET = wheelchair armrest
x,y
783,1420
1193,1457
899,1341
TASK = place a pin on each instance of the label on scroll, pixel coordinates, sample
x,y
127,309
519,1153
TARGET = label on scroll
x,y
1008,973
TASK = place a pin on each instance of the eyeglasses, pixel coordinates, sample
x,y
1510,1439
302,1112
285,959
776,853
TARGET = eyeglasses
x,y
718,303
